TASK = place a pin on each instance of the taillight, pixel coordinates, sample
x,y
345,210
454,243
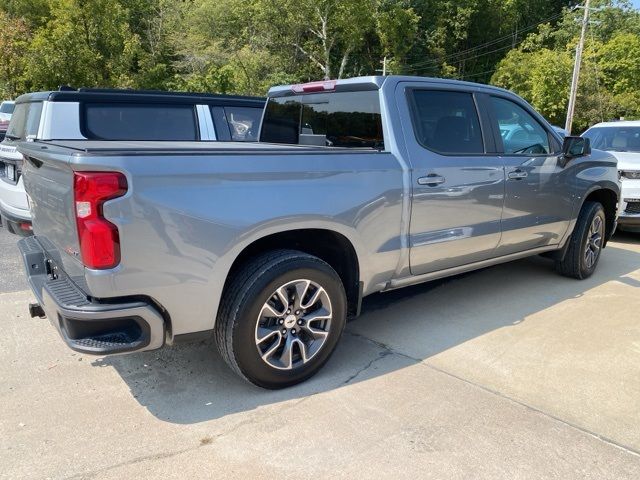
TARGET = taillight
x,y
312,87
99,238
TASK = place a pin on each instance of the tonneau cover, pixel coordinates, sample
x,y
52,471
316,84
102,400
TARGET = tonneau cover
x,y
136,146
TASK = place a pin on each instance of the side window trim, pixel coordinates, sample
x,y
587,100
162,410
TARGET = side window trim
x,y
493,140
205,124
221,124
496,127
486,140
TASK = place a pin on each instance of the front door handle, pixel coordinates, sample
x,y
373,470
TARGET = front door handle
x,y
518,175
431,180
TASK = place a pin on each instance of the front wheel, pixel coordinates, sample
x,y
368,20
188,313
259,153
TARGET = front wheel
x,y
586,243
281,318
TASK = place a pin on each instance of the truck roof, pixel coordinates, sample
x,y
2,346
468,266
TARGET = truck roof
x,y
145,96
619,123
375,82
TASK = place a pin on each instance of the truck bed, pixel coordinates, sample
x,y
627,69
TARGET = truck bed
x,y
191,207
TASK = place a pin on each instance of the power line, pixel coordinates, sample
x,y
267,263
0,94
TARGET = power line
x,y
452,56
506,47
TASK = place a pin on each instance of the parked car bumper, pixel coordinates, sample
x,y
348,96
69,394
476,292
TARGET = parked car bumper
x,y
629,218
16,224
14,207
89,325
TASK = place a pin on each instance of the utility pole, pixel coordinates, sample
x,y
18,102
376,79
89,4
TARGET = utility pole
x,y
384,67
576,69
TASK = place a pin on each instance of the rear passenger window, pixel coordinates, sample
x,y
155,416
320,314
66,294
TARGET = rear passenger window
x,y
447,122
25,121
521,133
244,123
127,121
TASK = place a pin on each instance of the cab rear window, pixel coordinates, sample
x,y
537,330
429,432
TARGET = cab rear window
x,y
337,119
128,121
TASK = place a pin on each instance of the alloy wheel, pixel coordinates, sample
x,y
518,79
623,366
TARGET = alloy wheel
x,y
594,242
293,324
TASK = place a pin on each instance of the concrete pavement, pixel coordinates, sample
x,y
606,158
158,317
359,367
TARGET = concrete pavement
x,y
512,372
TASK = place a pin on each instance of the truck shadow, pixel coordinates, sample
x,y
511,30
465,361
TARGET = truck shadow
x,y
190,383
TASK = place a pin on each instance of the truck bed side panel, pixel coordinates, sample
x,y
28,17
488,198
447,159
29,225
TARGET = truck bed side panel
x,y
187,217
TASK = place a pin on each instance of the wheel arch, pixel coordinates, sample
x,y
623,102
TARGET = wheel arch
x,y
332,246
608,198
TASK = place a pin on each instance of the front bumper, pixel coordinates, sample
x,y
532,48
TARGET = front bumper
x,y
86,324
629,217
630,223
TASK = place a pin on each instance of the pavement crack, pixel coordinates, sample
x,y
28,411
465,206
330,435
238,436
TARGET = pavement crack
x,y
381,355
133,461
384,346
386,351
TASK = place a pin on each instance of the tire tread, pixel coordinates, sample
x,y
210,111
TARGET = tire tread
x,y
235,296
571,264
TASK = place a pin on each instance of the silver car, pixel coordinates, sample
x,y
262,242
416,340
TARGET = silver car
x,y
357,186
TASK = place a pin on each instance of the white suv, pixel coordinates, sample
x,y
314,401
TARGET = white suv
x,y
6,110
622,139
98,114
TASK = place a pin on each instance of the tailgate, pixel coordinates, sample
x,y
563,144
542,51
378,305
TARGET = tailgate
x,y
48,181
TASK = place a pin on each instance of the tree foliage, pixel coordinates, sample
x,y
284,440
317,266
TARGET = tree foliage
x,y
245,46
14,44
540,68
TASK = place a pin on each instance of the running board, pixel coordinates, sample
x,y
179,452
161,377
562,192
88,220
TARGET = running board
x,y
449,272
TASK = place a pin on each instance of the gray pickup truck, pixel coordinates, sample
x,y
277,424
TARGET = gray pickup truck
x,y
357,186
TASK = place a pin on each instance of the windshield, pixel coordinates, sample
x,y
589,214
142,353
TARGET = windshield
x,y
7,107
618,139
339,119
25,121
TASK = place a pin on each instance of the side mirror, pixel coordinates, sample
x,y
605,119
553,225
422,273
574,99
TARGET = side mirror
x,y
576,147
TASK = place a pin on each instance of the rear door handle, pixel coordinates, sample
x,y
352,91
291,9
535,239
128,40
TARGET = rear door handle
x,y
518,175
431,180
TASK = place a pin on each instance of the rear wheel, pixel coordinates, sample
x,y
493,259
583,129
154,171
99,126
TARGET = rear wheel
x,y
281,318
586,243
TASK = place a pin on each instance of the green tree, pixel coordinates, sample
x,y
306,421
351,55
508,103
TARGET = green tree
x,y
540,68
34,13
14,43
397,27
85,43
619,64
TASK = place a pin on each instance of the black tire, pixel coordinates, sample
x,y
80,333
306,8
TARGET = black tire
x,y
575,264
245,296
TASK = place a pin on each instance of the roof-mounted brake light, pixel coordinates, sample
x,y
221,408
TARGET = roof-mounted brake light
x,y
312,87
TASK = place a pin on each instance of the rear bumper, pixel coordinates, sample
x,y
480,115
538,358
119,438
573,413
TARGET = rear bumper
x,y
88,325
16,224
